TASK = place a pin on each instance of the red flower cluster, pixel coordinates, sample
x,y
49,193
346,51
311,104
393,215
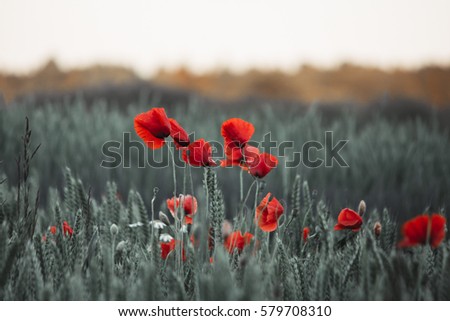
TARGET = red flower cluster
x,y
187,202
236,133
154,126
268,213
348,219
424,229
67,230
237,241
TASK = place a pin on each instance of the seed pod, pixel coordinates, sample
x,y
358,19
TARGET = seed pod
x,y
361,208
163,218
377,229
114,229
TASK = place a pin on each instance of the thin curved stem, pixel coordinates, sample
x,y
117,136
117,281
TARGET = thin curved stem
x,y
247,196
241,181
179,246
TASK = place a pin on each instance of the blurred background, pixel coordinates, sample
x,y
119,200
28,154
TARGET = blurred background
x,y
374,72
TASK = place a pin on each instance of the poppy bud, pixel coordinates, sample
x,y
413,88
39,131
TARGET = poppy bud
x,y
114,229
377,229
163,218
53,230
361,208
121,246
305,234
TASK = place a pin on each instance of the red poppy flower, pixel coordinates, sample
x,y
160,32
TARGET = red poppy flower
x,y
67,230
268,213
305,234
424,229
152,127
238,131
261,165
237,241
348,219
167,247
53,230
199,154
178,134
189,204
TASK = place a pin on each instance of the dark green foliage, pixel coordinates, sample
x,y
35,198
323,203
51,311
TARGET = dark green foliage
x,y
97,267
101,263
145,229
402,166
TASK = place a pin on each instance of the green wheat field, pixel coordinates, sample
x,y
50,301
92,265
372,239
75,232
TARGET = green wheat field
x,y
71,229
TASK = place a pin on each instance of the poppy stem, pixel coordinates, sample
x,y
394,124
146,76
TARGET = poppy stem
x,y
191,180
206,216
153,217
256,195
254,210
113,247
185,179
178,251
241,180
174,172
246,198
248,192
287,225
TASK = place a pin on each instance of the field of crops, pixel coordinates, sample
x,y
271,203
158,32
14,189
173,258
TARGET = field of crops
x,y
72,229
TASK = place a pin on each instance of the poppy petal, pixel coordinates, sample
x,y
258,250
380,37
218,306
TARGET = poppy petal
x,y
305,234
423,229
438,223
237,241
262,165
233,154
152,127
151,141
188,220
268,213
237,130
415,230
339,227
349,218
178,134
199,154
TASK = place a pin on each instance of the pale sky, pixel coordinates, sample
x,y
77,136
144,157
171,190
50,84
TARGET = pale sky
x,y
239,34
